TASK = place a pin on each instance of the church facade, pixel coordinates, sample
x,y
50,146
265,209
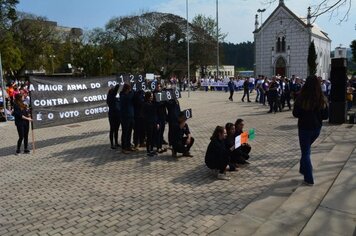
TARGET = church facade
x,y
282,44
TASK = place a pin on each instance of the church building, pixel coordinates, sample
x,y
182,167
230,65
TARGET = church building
x,y
282,44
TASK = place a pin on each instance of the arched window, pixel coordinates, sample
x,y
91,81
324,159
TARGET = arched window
x,y
281,44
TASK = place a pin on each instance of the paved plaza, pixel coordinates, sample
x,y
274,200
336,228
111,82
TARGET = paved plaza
x,y
76,185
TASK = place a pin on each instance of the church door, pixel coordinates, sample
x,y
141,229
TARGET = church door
x,y
281,67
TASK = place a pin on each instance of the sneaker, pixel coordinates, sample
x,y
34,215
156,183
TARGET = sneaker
x,y
113,147
247,163
174,153
150,154
17,152
223,176
125,151
307,184
187,154
26,151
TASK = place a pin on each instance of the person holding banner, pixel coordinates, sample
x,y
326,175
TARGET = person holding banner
x,y
234,154
22,122
217,155
114,116
151,123
127,117
242,152
182,138
311,108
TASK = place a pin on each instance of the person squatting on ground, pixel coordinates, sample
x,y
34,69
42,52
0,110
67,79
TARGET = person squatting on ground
x,y
217,155
311,108
22,122
114,116
151,123
244,150
182,138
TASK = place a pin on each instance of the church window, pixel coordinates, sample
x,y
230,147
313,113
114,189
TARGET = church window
x,y
281,44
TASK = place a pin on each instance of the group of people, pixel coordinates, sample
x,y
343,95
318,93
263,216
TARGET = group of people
x,y
221,154
143,121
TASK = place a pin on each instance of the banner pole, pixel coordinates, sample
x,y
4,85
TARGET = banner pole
x,y
3,90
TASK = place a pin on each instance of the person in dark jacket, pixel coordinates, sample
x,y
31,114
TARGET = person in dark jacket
x,y
114,116
241,154
311,108
151,123
182,138
127,117
231,87
235,155
246,91
173,108
273,95
139,128
22,122
217,156
162,118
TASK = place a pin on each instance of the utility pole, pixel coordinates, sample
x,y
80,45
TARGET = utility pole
x,y
217,39
100,58
52,57
3,90
188,48
261,35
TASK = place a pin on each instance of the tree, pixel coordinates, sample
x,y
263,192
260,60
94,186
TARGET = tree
x,y
7,13
10,53
312,65
353,48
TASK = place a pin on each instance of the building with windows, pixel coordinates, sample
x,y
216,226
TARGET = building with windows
x,y
282,43
224,71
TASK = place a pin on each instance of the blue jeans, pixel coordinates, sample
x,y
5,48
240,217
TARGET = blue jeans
x,y
306,139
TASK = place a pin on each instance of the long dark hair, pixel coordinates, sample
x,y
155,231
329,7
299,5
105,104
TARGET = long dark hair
x,y
218,130
311,97
228,126
19,101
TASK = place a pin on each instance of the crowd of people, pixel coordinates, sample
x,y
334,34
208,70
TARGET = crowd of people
x,y
143,121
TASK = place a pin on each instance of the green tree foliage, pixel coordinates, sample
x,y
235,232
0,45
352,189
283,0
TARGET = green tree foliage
x,y
312,65
7,13
240,55
10,53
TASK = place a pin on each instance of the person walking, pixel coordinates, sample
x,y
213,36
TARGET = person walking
x,y
22,122
311,108
246,91
231,87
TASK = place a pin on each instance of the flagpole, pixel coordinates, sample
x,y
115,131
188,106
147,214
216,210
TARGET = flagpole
x,y
188,47
3,90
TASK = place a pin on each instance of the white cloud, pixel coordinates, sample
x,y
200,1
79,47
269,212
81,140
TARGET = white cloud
x,y
236,17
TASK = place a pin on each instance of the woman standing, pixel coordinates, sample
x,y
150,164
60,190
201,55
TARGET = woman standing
x,y
151,123
22,122
217,156
127,118
311,108
114,116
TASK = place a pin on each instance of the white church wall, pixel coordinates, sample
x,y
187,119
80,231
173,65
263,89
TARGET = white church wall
x,y
322,48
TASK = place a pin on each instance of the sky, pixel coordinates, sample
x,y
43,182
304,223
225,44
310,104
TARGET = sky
x,y
236,17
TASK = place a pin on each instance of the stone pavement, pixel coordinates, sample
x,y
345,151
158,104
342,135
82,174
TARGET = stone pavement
x,y
76,185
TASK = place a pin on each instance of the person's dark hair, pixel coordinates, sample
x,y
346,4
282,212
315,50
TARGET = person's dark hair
x,y
218,130
238,122
311,97
228,126
126,88
19,102
181,117
148,94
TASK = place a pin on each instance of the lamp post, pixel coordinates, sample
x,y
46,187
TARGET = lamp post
x,y
261,45
100,59
188,48
52,58
217,39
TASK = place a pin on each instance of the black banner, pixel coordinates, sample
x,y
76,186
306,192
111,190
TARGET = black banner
x,y
167,95
62,100
188,113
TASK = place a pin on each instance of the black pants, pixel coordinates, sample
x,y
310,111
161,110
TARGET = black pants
x,y
182,147
286,99
114,122
22,131
231,95
220,163
139,132
241,154
246,92
171,126
273,106
151,134
162,126
127,126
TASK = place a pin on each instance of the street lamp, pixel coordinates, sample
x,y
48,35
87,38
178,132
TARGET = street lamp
x,y
52,57
217,39
188,48
100,59
261,45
